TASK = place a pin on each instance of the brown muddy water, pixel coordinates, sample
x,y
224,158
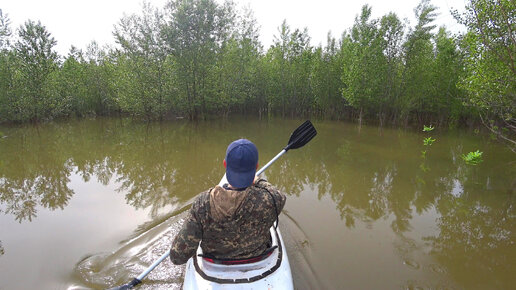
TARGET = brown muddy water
x,y
92,203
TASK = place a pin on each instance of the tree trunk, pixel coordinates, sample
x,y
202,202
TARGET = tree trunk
x,y
360,117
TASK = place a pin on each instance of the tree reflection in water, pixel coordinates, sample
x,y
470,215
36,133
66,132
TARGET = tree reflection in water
x,y
370,180
477,224
152,164
369,176
33,173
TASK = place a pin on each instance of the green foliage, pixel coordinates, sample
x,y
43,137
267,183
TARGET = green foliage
x,y
325,78
428,141
142,68
447,70
99,80
235,76
289,61
428,129
33,96
7,74
473,158
194,34
201,57
71,80
424,168
490,47
365,65
5,31
416,95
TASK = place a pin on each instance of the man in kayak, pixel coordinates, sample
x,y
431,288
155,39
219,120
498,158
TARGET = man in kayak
x,y
232,222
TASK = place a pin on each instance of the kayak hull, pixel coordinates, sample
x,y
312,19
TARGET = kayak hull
x,y
271,273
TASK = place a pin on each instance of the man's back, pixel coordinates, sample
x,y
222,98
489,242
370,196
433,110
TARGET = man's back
x,y
232,224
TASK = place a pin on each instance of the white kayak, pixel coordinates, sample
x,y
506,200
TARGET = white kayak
x,y
273,272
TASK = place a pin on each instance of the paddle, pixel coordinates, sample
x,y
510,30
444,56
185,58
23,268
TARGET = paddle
x,y
302,135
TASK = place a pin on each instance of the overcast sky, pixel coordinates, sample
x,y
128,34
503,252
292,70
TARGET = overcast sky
x,y
77,23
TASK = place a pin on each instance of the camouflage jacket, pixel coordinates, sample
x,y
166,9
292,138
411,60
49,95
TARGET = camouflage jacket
x,y
231,224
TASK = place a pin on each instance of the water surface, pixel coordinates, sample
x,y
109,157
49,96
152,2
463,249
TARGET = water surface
x,y
91,203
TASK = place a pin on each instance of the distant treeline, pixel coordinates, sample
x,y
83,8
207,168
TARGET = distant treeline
x,y
195,58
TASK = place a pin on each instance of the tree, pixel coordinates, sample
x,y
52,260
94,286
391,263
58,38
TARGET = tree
x,y
301,102
392,32
365,65
290,61
36,60
235,74
142,86
448,69
490,46
326,80
416,91
99,80
279,64
194,34
72,84
5,31
6,68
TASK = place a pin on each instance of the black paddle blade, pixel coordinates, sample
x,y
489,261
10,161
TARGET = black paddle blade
x,y
127,286
302,135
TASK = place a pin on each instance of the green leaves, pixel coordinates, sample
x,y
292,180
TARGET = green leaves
x,y
428,129
35,61
194,34
428,141
473,158
490,49
366,65
201,57
141,73
5,31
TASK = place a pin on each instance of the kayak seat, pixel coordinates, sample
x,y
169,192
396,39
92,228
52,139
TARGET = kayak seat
x,y
261,257
272,268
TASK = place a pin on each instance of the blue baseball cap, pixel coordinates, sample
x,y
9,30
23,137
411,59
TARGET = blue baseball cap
x,y
241,160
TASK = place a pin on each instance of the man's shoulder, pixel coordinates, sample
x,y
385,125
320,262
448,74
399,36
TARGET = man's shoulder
x,y
263,183
265,186
201,202
268,191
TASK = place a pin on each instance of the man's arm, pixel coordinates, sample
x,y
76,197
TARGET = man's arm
x,y
187,240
